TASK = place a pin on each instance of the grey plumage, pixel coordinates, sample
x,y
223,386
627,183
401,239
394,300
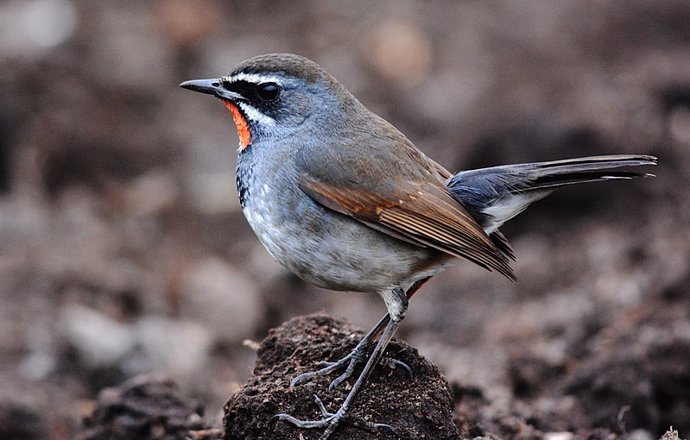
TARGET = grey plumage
x,y
494,195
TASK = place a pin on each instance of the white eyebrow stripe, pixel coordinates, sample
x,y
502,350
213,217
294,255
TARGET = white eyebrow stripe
x,y
255,115
255,78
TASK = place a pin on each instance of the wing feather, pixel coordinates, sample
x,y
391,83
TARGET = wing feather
x,y
404,195
430,219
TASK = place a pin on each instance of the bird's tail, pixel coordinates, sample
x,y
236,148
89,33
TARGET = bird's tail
x,y
497,194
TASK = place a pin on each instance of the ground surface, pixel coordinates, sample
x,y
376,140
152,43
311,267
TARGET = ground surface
x,y
123,251
417,406
146,408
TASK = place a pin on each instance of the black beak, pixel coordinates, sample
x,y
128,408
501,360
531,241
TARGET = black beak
x,y
212,87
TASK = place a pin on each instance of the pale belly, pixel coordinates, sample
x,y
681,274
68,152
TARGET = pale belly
x,y
332,250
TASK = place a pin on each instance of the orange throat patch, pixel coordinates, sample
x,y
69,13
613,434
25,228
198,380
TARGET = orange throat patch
x,y
240,123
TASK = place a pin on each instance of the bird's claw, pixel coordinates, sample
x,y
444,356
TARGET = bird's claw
x,y
327,368
304,424
322,407
354,360
329,421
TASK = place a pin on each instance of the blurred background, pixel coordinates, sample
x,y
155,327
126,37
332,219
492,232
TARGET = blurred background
x,y
123,249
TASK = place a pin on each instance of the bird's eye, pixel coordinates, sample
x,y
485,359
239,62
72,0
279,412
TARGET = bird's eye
x,y
268,91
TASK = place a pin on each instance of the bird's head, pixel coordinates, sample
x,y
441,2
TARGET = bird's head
x,y
276,95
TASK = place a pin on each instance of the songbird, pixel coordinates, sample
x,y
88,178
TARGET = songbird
x,y
344,200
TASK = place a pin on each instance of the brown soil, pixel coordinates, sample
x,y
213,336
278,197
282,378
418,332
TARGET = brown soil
x,y
417,406
146,408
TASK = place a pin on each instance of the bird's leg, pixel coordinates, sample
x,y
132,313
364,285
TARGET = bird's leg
x,y
358,353
331,420
396,303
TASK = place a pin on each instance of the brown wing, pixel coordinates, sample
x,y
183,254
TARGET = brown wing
x,y
399,197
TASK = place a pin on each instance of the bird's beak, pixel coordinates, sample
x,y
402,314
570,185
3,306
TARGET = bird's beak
x,y
211,87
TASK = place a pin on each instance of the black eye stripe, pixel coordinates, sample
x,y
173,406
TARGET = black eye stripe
x,y
267,91
242,87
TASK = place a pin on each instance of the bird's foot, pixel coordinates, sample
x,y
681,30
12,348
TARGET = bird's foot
x,y
351,360
331,420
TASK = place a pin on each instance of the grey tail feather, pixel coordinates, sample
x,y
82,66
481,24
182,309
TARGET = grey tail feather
x,y
495,195
553,174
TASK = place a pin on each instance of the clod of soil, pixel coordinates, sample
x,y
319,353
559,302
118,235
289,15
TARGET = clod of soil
x,y
18,421
418,406
146,408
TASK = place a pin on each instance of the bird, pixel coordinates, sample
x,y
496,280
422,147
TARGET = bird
x,y
345,201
